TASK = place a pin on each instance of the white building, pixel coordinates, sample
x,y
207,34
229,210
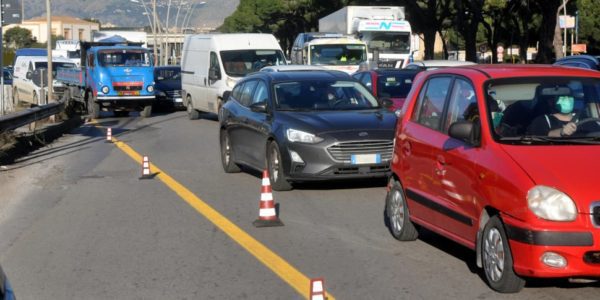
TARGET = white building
x,y
69,27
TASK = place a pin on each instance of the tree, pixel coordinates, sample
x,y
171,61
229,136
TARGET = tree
x,y
428,17
589,24
548,10
469,14
18,37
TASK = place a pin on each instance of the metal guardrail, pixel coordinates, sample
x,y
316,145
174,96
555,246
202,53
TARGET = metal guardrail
x,y
22,118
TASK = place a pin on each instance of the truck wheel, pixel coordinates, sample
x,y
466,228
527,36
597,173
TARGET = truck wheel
x,y
93,107
193,114
146,112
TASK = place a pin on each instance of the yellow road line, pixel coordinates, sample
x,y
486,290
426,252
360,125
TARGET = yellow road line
x,y
278,265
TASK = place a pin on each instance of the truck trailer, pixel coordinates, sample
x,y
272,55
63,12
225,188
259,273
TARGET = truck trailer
x,y
384,28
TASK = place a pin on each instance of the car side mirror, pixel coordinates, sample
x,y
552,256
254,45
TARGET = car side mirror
x,y
466,131
29,75
387,102
212,74
260,107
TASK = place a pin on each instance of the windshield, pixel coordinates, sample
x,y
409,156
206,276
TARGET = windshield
x,y
544,107
323,95
390,42
124,57
167,74
55,66
239,63
338,54
394,85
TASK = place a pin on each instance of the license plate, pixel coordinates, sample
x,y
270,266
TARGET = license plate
x,y
359,159
178,100
128,93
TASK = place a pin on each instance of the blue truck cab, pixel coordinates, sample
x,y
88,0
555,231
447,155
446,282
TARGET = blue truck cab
x,y
114,77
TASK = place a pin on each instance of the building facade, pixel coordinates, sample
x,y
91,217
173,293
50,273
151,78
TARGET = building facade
x,y
69,27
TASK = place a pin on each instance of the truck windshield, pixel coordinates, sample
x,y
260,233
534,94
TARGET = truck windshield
x,y
338,54
389,42
239,63
124,57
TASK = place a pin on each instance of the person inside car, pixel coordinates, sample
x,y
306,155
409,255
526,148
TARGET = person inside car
x,y
557,124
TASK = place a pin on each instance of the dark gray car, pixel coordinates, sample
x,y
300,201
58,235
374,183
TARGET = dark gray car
x,y
306,126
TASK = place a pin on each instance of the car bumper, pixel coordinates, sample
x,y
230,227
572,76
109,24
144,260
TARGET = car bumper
x,y
170,102
315,162
579,246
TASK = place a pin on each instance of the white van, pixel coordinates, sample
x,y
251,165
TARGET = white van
x,y
27,78
212,63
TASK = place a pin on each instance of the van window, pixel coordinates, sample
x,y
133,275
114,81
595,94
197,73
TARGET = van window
x,y
239,63
214,65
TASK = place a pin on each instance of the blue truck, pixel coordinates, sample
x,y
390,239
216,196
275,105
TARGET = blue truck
x,y
115,77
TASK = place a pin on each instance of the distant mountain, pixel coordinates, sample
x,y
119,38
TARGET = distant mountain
x,y
131,13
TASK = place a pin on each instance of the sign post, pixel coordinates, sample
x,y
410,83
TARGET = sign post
x,y
500,52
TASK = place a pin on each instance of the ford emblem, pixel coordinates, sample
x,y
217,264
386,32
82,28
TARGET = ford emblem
x,y
363,134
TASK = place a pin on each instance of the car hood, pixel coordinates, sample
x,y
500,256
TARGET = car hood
x,y
570,169
324,122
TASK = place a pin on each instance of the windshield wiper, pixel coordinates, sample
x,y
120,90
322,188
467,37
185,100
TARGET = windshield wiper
x,y
532,139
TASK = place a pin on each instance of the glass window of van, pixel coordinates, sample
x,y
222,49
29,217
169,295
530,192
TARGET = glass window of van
x,y
239,63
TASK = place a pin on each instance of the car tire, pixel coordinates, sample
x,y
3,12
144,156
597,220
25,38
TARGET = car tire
x,y
229,165
93,107
398,215
193,114
146,112
497,259
275,168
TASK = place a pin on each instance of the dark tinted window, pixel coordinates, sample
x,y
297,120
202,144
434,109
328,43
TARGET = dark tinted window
x,y
394,85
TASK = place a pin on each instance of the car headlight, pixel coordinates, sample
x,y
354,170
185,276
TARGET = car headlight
x,y
230,82
150,88
105,89
294,135
551,204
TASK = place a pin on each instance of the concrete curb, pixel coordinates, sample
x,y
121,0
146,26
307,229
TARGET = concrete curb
x,y
26,143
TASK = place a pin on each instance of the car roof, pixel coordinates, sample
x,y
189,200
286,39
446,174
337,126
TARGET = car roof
x,y
301,75
510,71
289,68
391,71
440,63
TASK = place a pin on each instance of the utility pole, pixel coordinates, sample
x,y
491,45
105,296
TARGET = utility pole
x,y
167,30
49,47
154,32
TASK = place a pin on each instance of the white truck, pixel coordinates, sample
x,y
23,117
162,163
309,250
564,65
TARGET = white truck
x,y
383,28
342,54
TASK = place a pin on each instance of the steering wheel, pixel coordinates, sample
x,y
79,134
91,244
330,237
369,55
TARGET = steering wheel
x,y
589,120
337,102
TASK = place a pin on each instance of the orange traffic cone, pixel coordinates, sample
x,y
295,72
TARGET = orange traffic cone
x,y
146,168
109,135
267,214
317,289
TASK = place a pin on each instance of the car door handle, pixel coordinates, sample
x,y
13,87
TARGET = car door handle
x,y
440,166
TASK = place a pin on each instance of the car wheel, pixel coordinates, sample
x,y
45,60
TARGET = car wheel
x,y
398,216
497,259
146,112
93,107
227,161
193,114
275,167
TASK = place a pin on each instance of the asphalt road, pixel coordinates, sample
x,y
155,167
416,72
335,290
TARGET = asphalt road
x,y
77,223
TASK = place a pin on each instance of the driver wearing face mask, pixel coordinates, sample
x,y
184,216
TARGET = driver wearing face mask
x,y
557,124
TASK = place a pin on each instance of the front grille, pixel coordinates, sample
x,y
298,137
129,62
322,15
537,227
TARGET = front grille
x,y
119,88
174,94
592,257
596,214
344,151
362,170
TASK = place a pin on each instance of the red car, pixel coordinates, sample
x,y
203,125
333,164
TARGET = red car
x,y
503,160
393,84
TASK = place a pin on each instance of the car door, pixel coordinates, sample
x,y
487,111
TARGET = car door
x,y
420,134
233,116
454,172
244,133
259,124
